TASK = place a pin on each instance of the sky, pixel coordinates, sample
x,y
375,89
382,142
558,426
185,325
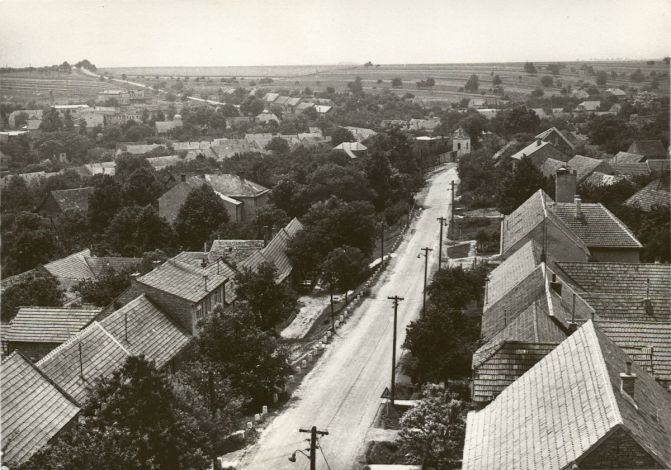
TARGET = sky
x,y
126,33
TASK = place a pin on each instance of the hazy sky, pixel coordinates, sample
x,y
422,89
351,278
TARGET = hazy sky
x,y
255,32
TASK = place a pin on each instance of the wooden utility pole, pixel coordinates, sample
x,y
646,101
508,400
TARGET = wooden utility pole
x,y
313,444
396,300
440,243
426,270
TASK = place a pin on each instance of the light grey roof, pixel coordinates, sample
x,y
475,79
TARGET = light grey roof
x,y
49,324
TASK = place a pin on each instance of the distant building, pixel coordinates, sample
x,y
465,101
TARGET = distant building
x,y
461,142
556,138
35,114
588,106
59,201
361,133
122,97
539,151
655,194
163,127
650,149
352,149
266,117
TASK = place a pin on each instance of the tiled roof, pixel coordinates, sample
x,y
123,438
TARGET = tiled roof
x,y
656,193
117,263
630,169
72,267
144,329
553,130
360,133
167,126
584,166
183,280
648,148
646,342
626,157
523,219
590,105
101,355
34,410
234,251
596,226
550,166
77,199
601,179
565,406
619,290
49,324
512,271
220,268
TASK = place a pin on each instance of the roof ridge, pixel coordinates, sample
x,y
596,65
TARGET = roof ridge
x,y
47,378
111,336
622,225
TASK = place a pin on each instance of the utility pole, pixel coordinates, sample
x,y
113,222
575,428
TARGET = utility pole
x,y
426,269
452,209
440,243
313,444
396,300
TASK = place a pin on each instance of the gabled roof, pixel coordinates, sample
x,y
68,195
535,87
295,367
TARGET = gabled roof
x,y
512,271
550,166
183,280
619,290
234,251
646,342
143,328
590,105
97,264
656,193
361,133
34,409
626,157
77,199
601,179
630,169
72,267
540,145
350,147
567,405
584,166
648,148
101,355
49,324
596,226
234,186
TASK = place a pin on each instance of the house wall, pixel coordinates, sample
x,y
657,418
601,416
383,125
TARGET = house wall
x,y
619,450
250,205
616,255
235,211
559,143
34,351
180,310
461,146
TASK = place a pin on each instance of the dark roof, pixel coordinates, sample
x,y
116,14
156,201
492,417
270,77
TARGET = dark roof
x,y
626,157
630,169
77,199
72,267
183,280
596,226
567,405
234,251
34,410
553,130
144,329
213,268
117,263
656,193
511,272
549,150
619,290
646,342
101,355
648,148
584,166
49,324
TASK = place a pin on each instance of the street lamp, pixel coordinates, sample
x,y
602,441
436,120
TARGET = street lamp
x,y
426,270
298,451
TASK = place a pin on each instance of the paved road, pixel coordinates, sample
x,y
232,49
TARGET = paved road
x,y
342,392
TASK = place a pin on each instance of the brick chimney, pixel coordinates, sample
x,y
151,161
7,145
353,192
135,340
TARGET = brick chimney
x,y
578,207
555,285
565,185
628,378
538,142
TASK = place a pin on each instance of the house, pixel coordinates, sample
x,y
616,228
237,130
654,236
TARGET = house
x,y
423,124
621,291
361,133
234,251
271,97
236,121
654,194
35,114
539,151
160,163
580,94
461,142
6,136
34,409
584,405
101,168
275,252
35,331
350,148
163,127
597,179
556,138
302,107
477,103
626,157
241,197
616,92
59,201
75,110
650,149
585,166
138,149
227,148
588,106
186,293
323,109
266,117
122,97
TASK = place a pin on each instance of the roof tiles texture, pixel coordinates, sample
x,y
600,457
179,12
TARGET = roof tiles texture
x,y
33,409
75,199
49,324
183,280
655,194
509,273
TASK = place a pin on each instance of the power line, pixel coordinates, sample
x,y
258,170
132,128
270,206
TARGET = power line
x,y
323,454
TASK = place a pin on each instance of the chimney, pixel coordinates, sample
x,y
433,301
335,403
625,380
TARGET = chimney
x,y
565,185
578,207
538,142
182,177
572,325
555,285
628,384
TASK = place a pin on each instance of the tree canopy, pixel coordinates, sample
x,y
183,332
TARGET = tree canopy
x,y
201,215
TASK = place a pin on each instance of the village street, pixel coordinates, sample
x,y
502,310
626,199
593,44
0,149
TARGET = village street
x,y
342,393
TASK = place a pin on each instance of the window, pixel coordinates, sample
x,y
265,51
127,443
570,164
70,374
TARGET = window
x,y
459,146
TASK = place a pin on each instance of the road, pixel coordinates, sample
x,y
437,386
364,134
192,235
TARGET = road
x,y
342,392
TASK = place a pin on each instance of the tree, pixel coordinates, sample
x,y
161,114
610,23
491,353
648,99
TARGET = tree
x,y
16,196
248,356
554,68
345,182
537,93
529,68
37,289
278,145
28,240
355,86
132,420
104,202
73,225
106,287
517,187
51,121
637,76
601,78
396,82
433,432
201,215
141,188
610,132
472,84
547,81
251,106
654,233
496,80
343,269
340,135
270,301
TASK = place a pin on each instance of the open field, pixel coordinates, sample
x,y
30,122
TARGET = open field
x,y
449,77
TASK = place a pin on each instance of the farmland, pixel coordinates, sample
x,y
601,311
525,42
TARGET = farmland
x,y
449,78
